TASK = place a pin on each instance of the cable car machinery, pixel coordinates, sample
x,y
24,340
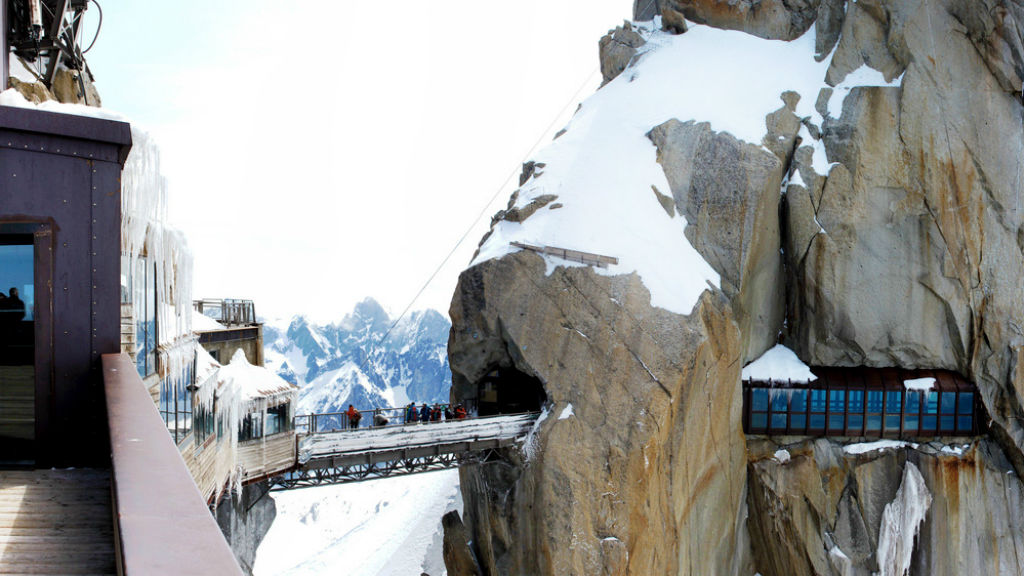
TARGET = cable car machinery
x,y
46,32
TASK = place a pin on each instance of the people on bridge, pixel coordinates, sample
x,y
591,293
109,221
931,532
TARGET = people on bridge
x,y
412,415
435,413
379,419
353,416
460,412
424,413
447,412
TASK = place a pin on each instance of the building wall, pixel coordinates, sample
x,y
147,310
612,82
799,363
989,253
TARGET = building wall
x,y
222,344
62,173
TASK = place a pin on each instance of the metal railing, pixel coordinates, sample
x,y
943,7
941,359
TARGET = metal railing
x,y
339,421
227,311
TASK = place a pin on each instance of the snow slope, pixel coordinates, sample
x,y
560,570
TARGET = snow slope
x,y
388,527
603,167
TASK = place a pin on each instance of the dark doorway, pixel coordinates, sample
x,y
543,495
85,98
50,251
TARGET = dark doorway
x,y
17,349
509,391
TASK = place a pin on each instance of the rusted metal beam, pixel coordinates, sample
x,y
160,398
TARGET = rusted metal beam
x,y
572,255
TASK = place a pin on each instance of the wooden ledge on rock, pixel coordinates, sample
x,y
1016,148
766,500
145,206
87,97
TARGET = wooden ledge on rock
x,y
571,255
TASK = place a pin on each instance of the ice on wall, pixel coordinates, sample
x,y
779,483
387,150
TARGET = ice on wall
x,y
901,521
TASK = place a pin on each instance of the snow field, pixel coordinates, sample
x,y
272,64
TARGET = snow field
x,y
388,527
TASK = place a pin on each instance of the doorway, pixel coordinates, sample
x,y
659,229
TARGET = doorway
x,y
17,349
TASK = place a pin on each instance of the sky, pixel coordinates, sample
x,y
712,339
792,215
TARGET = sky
x,y
320,152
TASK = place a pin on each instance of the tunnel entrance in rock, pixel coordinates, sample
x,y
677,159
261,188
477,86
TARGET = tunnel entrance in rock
x,y
509,391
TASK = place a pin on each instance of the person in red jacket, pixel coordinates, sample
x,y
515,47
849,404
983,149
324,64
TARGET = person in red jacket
x,y
460,412
353,417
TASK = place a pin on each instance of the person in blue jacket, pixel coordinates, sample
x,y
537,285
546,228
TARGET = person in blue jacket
x,y
411,415
424,413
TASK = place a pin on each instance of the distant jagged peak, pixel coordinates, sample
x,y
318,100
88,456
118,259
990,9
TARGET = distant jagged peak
x,y
367,313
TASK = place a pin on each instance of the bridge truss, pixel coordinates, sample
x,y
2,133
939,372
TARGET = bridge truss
x,y
338,457
309,477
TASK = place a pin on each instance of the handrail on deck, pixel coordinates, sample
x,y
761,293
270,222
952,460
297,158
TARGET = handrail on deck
x,y
163,524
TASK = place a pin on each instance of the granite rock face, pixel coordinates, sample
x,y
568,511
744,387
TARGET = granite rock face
x,y
910,250
822,511
617,48
653,450
897,240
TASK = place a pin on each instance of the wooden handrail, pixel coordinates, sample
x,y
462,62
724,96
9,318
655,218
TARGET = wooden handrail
x,y
163,524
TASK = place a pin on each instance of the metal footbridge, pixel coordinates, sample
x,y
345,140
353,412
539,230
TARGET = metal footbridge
x,y
337,456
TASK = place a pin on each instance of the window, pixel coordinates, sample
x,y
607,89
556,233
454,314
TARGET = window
x,y
252,427
279,419
175,403
872,402
144,304
204,421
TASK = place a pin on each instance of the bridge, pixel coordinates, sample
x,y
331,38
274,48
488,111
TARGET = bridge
x,y
337,456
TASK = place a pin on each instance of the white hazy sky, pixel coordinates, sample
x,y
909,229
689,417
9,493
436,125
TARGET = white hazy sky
x,y
319,152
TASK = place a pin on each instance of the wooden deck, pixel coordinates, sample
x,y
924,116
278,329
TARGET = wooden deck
x,y
56,522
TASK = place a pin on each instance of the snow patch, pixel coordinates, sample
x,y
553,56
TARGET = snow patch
x,y
781,456
865,447
919,384
203,323
863,76
779,365
566,412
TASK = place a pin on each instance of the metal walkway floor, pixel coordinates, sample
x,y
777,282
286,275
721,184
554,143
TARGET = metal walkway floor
x,y
56,522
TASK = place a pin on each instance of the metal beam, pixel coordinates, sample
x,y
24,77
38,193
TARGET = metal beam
x,y
307,477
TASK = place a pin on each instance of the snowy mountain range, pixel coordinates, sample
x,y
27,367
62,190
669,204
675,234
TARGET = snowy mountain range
x,y
351,361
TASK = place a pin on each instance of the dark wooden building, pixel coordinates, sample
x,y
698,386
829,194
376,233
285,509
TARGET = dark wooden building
x,y
60,233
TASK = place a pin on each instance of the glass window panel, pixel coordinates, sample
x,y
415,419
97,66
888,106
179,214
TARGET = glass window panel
x,y
931,403
759,400
758,421
778,421
798,422
913,401
798,401
856,400
892,402
780,400
818,402
910,424
963,423
855,421
948,402
874,400
928,423
836,421
817,421
892,422
947,423
965,403
874,422
837,400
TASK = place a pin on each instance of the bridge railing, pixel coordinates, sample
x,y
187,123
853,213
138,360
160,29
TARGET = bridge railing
x,y
339,421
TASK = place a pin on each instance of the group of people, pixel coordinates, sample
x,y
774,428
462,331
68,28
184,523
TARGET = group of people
x,y
435,413
413,415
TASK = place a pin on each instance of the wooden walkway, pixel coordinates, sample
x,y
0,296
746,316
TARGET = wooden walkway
x,y
56,522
